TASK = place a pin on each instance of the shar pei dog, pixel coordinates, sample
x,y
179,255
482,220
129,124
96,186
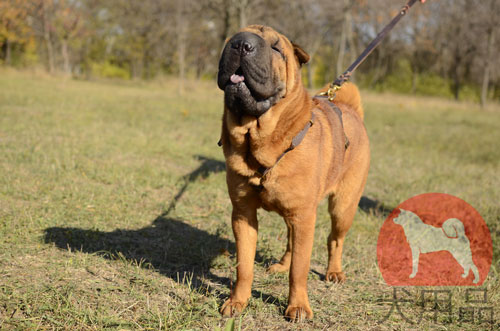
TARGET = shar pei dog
x,y
285,151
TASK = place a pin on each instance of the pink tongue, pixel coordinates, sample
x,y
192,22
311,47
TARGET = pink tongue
x,y
237,78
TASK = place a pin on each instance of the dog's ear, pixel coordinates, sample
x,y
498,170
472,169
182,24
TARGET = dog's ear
x,y
301,55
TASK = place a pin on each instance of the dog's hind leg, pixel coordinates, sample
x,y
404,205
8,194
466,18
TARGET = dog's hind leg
x,y
342,210
342,217
342,205
344,197
284,264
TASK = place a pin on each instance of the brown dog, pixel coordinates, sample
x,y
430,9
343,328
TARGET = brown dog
x,y
266,106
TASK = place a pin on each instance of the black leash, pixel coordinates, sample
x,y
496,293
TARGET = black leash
x,y
337,84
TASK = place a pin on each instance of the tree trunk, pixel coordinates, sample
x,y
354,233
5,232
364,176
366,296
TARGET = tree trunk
x,y
50,52
350,36
343,38
414,77
379,71
65,56
86,58
226,23
456,85
181,44
46,37
457,61
340,58
137,67
487,68
182,62
242,13
7,51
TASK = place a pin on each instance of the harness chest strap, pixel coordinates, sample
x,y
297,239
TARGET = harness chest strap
x,y
262,171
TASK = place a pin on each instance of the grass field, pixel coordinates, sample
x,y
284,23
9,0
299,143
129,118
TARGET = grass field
x,y
114,212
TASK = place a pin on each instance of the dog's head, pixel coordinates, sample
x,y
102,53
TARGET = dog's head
x,y
257,68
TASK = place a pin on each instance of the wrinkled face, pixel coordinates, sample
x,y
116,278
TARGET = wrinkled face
x,y
257,67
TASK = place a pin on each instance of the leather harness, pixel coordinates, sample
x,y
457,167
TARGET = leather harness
x,y
262,171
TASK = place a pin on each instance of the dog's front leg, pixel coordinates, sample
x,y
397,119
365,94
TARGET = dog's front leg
x,y
244,222
302,243
415,254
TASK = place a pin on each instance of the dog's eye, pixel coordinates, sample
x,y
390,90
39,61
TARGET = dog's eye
x,y
276,48
279,51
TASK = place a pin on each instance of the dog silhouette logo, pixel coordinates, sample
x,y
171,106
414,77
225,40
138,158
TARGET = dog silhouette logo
x,y
425,238
434,239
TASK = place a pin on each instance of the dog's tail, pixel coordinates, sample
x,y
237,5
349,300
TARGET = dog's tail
x,y
349,95
454,228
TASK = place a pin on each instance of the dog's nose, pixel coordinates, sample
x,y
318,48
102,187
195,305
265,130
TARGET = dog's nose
x,y
245,42
243,46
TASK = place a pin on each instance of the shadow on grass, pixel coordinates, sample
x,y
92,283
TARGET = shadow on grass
x,y
374,207
207,167
170,246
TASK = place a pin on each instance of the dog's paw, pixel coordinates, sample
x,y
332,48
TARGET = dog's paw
x,y
413,275
298,313
278,267
336,277
232,308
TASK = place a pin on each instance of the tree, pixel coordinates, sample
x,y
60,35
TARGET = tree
x,y
67,26
490,16
454,39
13,26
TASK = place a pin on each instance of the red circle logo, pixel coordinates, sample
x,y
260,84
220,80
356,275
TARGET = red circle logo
x,y
434,239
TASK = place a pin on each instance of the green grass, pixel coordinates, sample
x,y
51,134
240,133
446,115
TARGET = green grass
x,y
114,212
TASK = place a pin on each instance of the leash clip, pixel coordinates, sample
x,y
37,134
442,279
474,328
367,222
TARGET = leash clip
x,y
331,93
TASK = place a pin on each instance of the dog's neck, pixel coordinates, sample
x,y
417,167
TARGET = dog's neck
x,y
276,131
252,142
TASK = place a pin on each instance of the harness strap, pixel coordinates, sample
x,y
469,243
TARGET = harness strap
x,y
337,111
262,171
